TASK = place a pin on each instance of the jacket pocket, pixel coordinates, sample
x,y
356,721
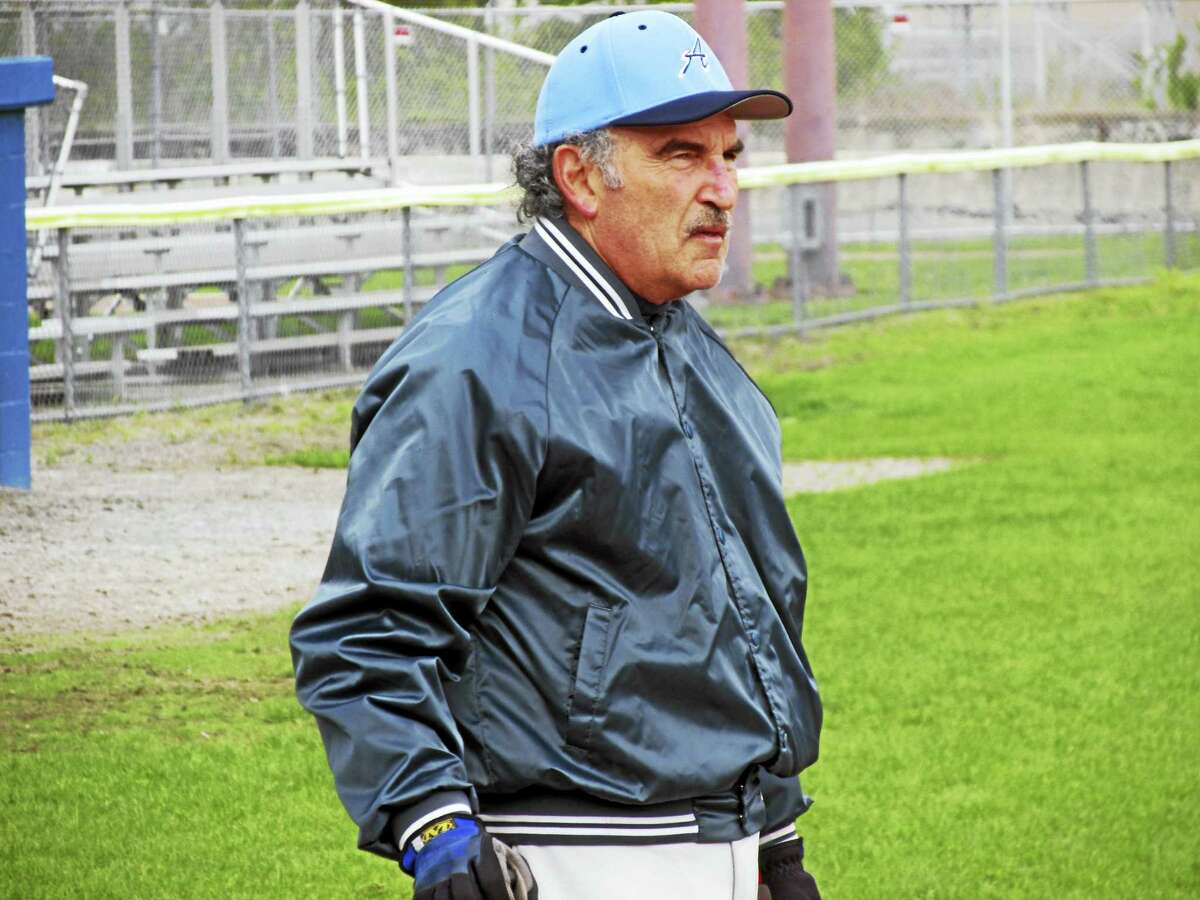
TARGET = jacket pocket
x,y
583,706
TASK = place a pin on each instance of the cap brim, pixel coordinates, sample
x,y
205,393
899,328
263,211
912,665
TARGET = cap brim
x,y
761,104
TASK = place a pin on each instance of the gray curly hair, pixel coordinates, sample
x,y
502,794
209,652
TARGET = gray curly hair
x,y
533,167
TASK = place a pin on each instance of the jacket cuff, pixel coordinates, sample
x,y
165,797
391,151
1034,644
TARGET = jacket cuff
x,y
407,823
777,836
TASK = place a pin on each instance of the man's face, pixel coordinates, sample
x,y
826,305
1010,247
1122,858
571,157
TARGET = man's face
x,y
665,232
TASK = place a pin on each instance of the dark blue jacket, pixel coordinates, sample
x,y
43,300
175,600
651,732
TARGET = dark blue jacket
x,y
564,590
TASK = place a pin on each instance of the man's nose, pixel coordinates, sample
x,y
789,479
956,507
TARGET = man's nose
x,y
720,188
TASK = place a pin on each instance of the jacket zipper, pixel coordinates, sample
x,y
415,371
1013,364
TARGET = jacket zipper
x,y
755,669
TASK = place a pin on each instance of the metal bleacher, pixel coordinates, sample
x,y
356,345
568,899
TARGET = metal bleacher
x,y
267,170
133,290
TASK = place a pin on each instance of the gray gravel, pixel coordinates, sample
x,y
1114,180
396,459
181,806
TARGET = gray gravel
x,y
103,551
819,477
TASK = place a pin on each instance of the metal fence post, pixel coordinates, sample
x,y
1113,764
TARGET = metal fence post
x,y
156,86
905,244
1169,209
304,92
489,96
34,118
473,97
245,333
360,85
797,272
1000,237
409,270
62,304
124,123
272,84
1039,56
29,29
393,97
967,51
489,111
1089,225
220,82
1006,100
339,75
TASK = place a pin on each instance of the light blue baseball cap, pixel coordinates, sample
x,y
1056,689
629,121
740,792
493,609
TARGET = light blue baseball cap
x,y
641,68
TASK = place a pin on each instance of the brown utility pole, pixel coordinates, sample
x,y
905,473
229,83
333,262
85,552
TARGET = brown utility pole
x,y
810,79
722,23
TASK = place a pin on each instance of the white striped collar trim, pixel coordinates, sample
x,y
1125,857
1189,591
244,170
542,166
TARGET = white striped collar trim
x,y
591,278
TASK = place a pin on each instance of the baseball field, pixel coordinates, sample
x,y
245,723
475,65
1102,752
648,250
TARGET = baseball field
x,y
1008,650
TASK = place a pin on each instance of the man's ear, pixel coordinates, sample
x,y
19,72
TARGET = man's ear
x,y
578,181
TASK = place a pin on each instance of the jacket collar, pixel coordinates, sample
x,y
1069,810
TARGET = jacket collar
x,y
561,247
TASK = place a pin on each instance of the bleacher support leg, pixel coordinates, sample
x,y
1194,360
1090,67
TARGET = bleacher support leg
x,y
345,325
118,366
62,304
245,332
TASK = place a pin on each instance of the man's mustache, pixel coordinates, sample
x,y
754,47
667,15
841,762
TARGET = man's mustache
x,y
711,218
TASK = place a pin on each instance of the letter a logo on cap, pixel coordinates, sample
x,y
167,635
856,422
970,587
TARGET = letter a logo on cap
x,y
697,52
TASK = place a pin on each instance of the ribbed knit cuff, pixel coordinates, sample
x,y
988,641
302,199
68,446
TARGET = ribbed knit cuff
x,y
444,803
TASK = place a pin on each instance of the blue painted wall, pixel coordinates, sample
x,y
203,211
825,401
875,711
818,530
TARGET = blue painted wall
x,y
24,81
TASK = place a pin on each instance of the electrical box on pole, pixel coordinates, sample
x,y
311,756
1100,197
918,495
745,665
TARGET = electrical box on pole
x,y
24,81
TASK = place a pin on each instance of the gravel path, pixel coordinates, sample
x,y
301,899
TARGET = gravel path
x,y
103,551
102,548
819,477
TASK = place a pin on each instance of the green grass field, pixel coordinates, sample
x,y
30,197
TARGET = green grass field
x,y
1009,652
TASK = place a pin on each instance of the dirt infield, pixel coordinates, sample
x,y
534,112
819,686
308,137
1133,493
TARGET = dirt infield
x,y
107,546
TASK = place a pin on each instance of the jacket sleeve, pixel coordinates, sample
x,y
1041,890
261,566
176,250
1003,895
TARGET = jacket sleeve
x,y
443,468
785,801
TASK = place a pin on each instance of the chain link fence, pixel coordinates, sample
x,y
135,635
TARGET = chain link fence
x,y
927,74
212,83
200,81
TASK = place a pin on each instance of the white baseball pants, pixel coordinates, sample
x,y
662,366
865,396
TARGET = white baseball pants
x,y
646,872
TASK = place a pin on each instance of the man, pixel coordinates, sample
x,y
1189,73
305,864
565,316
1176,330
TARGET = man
x,y
556,651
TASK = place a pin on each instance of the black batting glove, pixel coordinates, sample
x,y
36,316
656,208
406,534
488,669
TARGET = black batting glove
x,y
455,858
781,872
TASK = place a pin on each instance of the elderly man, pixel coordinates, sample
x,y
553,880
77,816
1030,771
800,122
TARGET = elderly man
x,y
556,651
